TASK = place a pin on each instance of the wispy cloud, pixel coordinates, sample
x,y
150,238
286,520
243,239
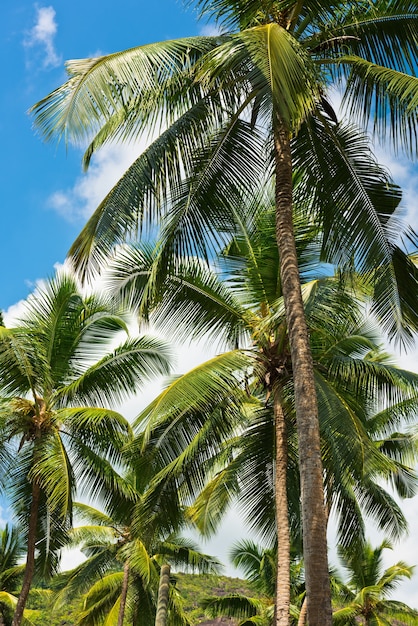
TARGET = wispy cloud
x,y
210,30
41,37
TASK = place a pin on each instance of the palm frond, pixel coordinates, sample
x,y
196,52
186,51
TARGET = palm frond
x,y
388,96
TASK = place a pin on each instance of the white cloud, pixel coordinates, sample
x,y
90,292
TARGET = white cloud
x,y
5,517
42,36
404,173
210,30
108,165
13,313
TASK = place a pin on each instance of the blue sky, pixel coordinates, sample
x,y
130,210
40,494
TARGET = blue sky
x,y
36,38
45,196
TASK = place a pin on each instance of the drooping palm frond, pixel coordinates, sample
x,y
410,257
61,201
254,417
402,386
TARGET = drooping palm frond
x,y
387,96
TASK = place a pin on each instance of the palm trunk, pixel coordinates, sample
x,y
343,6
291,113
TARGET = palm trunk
x,y
303,613
30,558
163,593
123,594
282,604
310,465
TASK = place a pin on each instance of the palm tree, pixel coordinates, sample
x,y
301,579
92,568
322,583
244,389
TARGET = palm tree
x,y
242,107
242,305
126,562
369,587
56,369
12,549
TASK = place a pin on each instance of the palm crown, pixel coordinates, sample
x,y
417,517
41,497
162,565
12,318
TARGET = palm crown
x,y
56,367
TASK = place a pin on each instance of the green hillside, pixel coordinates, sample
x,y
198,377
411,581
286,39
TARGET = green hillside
x,y
193,588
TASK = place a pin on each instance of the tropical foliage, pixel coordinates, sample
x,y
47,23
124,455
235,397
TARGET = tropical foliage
x,y
11,551
58,372
120,577
231,106
368,591
219,419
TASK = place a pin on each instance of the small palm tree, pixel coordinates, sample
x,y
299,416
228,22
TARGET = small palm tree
x,y
121,576
57,373
369,588
260,568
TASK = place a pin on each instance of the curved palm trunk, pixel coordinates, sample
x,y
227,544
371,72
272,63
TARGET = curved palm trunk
x,y
282,603
30,558
310,465
163,593
123,594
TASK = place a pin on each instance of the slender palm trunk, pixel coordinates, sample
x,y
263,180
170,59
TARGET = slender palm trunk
x,y
123,594
310,465
163,593
282,604
30,558
303,613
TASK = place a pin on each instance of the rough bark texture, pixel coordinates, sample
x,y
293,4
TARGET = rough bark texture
x,y
163,593
310,465
123,594
30,558
282,604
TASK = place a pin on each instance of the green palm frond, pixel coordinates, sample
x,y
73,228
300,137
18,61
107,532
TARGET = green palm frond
x,y
93,535
200,389
370,585
384,34
103,430
388,96
191,293
100,599
118,374
213,501
182,553
236,606
259,565
87,513
97,88
53,471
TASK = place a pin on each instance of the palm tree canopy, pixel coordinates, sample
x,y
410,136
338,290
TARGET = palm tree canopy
x,y
56,365
371,586
210,101
239,303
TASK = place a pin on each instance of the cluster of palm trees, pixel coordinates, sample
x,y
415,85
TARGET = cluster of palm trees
x,y
278,235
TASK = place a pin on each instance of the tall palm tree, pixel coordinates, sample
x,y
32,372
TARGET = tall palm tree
x,y
242,306
57,372
369,588
233,106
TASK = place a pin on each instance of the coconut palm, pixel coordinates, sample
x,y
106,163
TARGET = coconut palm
x,y
370,586
232,105
126,560
57,372
201,411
